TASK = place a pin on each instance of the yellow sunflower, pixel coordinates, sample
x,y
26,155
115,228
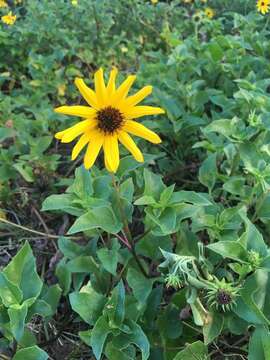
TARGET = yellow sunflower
x,y
3,4
263,6
209,13
9,19
108,119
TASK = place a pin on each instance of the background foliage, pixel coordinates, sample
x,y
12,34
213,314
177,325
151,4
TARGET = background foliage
x,y
184,274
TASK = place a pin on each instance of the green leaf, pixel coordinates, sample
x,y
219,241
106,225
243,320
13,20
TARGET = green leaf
x,y
126,189
6,132
215,51
259,345
52,296
253,300
145,200
22,272
208,172
31,353
82,185
230,249
213,329
115,307
191,197
139,284
169,323
114,353
252,238
194,351
17,315
64,276
153,185
102,217
98,336
10,294
136,336
87,303
25,171
109,258
166,195
62,202
71,249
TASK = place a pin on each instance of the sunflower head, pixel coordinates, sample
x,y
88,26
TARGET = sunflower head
x,y
3,4
197,17
209,13
9,19
108,119
263,6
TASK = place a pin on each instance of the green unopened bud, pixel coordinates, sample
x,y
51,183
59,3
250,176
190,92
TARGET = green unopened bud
x,y
174,281
254,259
222,295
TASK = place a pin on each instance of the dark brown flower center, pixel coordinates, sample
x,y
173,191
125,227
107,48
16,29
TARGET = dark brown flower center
x,y
224,297
109,119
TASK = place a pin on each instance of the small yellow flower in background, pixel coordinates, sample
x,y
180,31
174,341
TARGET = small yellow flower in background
x,y
3,4
188,1
9,19
108,119
154,2
263,6
124,49
17,2
61,90
2,214
74,2
204,1
209,13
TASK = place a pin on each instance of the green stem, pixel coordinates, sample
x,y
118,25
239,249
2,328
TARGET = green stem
x,y
126,231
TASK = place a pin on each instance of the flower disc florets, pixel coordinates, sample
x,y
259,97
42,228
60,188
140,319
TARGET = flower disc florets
x,y
109,119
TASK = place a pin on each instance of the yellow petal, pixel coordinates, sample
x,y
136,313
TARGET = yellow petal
x,y
111,82
107,165
92,151
77,110
139,111
138,97
87,93
129,143
84,139
140,130
123,90
100,88
71,133
111,152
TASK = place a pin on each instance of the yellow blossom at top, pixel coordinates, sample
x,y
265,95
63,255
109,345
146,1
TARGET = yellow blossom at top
x,y
3,4
109,119
204,1
263,6
154,2
188,1
209,13
9,19
74,2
